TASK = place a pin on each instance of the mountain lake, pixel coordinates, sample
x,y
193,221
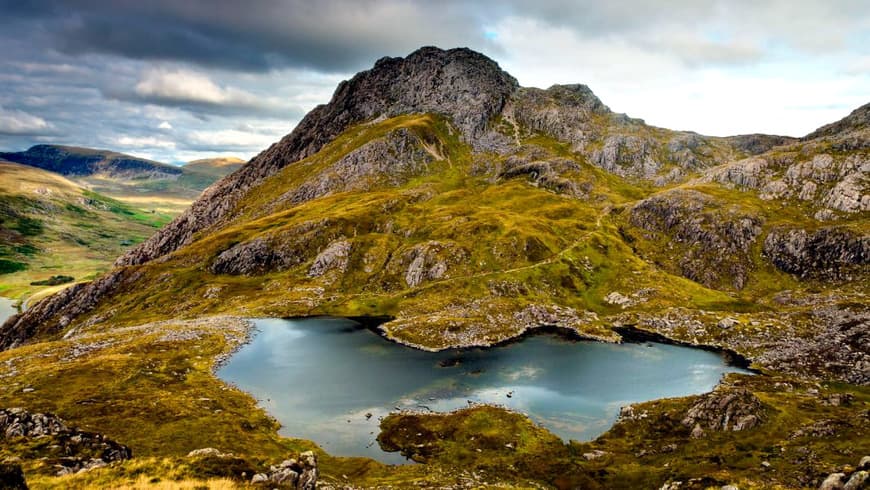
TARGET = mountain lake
x,y
330,380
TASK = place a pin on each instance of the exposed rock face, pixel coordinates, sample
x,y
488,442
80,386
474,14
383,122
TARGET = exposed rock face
x,y
564,111
392,160
466,86
714,243
274,252
725,409
73,450
54,313
335,257
545,173
755,144
300,475
829,252
837,348
808,171
573,114
857,121
429,261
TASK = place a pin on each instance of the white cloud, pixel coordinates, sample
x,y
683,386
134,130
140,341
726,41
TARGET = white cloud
x,y
791,97
186,86
20,122
144,142
165,125
229,138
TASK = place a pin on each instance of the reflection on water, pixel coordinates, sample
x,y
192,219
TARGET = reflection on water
x,y
321,377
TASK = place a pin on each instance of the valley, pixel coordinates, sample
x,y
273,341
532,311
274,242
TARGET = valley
x,y
67,213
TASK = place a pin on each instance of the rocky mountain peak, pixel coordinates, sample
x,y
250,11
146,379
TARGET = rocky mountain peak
x,y
857,120
460,83
467,87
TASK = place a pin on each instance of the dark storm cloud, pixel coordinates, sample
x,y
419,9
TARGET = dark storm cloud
x,y
167,76
329,35
347,35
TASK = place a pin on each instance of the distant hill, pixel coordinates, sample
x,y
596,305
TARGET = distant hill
x,y
74,161
137,181
215,166
51,227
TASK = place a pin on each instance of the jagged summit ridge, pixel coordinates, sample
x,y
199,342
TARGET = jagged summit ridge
x,y
466,86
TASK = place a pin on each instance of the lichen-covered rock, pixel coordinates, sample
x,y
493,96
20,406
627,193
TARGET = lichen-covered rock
x,y
726,409
298,474
829,252
755,144
71,450
391,160
712,244
430,261
334,257
273,252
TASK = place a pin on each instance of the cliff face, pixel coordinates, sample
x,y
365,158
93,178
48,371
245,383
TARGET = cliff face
x,y
435,190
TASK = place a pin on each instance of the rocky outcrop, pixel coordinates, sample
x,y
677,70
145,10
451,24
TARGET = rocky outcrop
x,y
11,477
832,252
71,450
812,171
391,160
282,250
298,474
52,314
545,173
467,87
566,112
614,142
335,256
727,408
857,121
857,478
755,144
430,261
836,348
713,243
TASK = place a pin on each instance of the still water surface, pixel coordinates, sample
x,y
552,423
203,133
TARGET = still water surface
x,y
321,376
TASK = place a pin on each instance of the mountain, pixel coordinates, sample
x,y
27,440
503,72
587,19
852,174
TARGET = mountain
x,y
218,167
74,161
50,227
136,181
435,191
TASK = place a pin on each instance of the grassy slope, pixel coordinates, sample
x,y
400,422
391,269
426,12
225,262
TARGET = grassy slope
x,y
536,245
542,247
52,226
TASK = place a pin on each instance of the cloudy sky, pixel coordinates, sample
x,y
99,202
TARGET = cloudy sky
x,y
177,80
